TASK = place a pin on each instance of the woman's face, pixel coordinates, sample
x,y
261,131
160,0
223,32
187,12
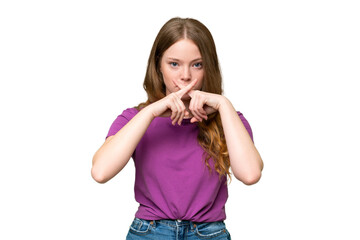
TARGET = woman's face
x,y
182,62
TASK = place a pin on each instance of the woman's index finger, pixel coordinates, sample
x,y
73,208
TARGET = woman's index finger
x,y
187,88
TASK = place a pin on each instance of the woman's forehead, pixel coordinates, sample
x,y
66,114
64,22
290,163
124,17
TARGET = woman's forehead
x,y
183,49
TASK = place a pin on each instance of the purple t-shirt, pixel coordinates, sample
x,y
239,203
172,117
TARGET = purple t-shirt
x,y
172,180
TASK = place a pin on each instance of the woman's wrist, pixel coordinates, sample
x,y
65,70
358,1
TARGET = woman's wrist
x,y
149,112
224,103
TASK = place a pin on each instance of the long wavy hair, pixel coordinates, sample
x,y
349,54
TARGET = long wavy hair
x,y
211,135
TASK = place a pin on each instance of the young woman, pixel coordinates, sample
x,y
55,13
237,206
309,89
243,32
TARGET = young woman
x,y
183,140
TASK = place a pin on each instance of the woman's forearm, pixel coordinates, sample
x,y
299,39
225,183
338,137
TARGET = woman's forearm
x,y
245,160
116,152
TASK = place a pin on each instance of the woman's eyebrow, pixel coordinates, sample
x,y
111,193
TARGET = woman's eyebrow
x,y
178,60
197,59
173,59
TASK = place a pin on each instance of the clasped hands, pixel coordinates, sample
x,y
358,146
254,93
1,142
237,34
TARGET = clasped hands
x,y
200,106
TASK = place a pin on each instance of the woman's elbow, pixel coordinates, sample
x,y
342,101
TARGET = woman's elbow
x,y
98,175
250,179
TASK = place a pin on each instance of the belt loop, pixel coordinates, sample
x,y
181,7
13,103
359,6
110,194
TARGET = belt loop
x,y
194,225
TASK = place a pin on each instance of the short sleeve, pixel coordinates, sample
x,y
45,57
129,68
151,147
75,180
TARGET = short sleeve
x,y
121,121
246,124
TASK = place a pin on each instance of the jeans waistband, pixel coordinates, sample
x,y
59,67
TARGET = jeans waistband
x,y
178,222
169,227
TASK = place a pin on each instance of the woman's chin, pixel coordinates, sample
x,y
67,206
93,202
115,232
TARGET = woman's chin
x,y
185,97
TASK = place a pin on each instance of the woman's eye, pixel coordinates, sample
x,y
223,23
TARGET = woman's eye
x,y
173,64
198,65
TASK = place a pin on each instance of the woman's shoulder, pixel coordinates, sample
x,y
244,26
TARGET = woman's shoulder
x,y
131,111
239,113
246,124
242,117
128,113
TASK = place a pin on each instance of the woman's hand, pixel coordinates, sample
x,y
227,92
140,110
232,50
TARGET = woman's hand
x,y
172,105
202,103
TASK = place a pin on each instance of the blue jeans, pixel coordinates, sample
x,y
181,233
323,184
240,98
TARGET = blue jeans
x,y
176,230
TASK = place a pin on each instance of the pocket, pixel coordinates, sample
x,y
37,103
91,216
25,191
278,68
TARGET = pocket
x,y
211,230
140,227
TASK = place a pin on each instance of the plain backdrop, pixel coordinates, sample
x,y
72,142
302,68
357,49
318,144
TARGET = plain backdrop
x,y
69,68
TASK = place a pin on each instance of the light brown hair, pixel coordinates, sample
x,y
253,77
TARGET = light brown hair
x,y
211,135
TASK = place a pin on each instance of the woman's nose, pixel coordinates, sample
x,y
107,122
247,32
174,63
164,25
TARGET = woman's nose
x,y
186,74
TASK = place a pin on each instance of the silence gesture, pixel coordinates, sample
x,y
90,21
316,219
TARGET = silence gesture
x,y
202,103
172,105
